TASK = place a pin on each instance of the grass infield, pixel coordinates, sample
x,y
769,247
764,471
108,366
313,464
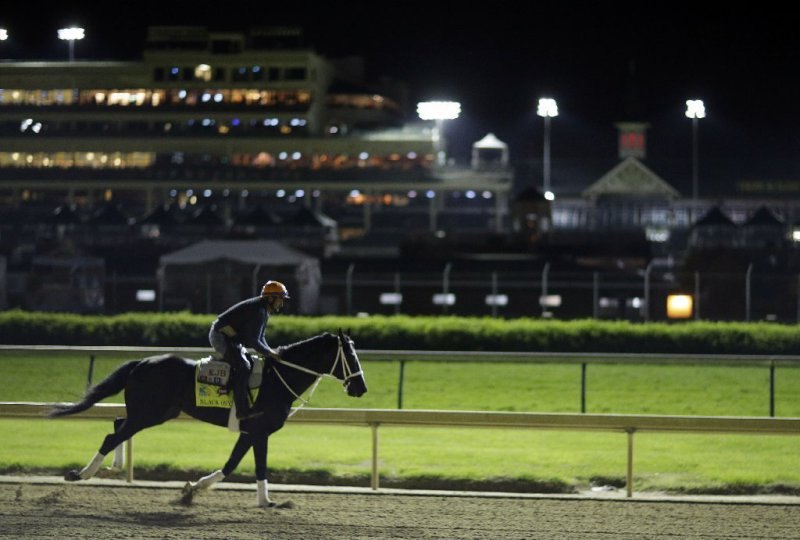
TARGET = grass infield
x,y
530,460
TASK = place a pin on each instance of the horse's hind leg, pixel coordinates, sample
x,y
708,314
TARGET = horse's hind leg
x,y
241,447
122,432
262,486
119,451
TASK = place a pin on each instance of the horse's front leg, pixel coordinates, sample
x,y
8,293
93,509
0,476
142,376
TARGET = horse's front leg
x,y
262,485
239,450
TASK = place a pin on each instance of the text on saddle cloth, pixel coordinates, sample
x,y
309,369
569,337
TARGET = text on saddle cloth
x,y
212,379
217,373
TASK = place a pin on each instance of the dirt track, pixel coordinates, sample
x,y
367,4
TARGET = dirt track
x,y
101,512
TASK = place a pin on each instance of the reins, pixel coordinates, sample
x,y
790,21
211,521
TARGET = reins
x,y
340,357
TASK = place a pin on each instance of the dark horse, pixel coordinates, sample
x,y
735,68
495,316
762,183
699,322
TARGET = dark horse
x,y
158,388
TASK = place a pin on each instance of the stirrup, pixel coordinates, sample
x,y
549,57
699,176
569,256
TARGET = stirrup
x,y
251,414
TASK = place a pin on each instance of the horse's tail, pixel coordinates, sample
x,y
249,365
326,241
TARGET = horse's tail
x,y
113,384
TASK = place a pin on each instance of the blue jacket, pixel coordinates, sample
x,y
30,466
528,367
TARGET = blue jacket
x,y
245,323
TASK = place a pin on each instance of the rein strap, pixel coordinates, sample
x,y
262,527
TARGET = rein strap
x,y
340,356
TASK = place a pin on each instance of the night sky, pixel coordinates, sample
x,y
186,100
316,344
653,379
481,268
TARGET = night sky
x,y
603,61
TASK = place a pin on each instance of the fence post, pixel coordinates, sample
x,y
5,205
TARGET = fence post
x,y
446,285
256,271
160,278
208,293
583,388
397,291
647,291
798,298
91,372
748,276
129,459
348,286
772,388
494,295
400,384
114,291
545,272
629,472
697,296
375,479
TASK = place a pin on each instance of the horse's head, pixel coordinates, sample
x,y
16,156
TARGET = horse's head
x,y
349,370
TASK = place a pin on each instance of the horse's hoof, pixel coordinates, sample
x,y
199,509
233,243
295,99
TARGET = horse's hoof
x,y
72,476
188,497
109,472
188,488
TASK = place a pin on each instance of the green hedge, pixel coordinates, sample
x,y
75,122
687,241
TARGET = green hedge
x,y
405,332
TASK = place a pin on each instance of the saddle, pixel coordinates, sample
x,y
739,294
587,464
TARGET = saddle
x,y
215,372
212,377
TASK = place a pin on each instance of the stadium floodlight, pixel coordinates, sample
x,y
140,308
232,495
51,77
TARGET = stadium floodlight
x,y
71,35
695,109
547,109
439,111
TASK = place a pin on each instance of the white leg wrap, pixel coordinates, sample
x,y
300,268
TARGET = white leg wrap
x,y
262,493
207,481
119,457
93,466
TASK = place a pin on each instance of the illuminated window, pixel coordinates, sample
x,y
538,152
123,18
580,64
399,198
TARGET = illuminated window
x,y
241,74
295,74
202,72
632,141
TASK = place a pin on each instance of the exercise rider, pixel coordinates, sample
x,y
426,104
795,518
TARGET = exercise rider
x,y
243,325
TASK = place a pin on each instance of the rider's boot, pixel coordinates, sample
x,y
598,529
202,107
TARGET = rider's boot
x,y
241,394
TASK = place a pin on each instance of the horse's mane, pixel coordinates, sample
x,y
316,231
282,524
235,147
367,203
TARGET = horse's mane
x,y
287,351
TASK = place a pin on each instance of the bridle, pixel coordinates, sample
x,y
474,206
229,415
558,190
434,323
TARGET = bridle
x,y
347,372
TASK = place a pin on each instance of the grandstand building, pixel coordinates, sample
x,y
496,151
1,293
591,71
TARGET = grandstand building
x,y
226,118
219,134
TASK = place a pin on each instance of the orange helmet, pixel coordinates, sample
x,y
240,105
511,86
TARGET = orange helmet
x,y
275,288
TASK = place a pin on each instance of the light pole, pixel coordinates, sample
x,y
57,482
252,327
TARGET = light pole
x,y
439,111
70,35
547,109
695,110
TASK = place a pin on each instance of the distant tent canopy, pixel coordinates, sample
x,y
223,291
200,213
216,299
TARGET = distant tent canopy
x,y
630,178
489,152
66,214
531,213
714,230
765,229
715,217
258,217
211,275
66,283
764,217
530,194
109,215
207,216
305,217
163,215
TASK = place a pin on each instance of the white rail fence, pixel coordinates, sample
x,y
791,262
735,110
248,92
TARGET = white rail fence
x,y
374,418
404,357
